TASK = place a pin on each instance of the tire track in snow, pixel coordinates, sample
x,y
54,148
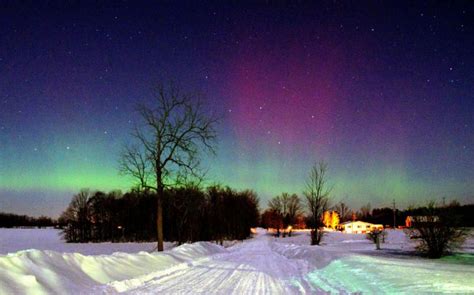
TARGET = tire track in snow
x,y
249,268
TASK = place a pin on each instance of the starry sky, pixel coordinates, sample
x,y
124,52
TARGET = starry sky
x,y
383,92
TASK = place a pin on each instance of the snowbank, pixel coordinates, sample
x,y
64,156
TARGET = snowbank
x,y
349,263
369,274
344,263
42,272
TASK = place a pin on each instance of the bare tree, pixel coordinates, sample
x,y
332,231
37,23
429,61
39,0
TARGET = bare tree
x,y
76,217
174,132
438,230
287,207
134,163
294,207
276,205
344,211
317,194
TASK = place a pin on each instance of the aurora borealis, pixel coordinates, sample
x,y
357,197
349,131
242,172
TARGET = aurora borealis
x,y
383,92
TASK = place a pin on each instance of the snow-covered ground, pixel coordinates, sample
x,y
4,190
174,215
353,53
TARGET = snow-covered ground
x,y
350,263
16,239
344,263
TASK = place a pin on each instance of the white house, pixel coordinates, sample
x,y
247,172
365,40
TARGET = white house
x,y
358,227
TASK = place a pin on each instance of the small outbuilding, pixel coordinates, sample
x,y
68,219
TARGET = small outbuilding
x,y
358,227
420,219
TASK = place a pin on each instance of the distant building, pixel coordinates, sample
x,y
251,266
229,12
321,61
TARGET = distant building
x,y
420,220
358,227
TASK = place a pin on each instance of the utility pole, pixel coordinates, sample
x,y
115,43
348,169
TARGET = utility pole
x,y
394,215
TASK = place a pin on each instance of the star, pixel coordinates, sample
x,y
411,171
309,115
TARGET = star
x,y
107,74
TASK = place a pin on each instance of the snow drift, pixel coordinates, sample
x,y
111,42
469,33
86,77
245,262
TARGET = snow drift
x,y
344,263
43,272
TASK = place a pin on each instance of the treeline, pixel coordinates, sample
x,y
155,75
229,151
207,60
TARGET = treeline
x,y
385,215
462,213
190,214
286,210
10,220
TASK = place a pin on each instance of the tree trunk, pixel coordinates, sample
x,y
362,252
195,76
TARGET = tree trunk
x,y
159,212
160,190
159,222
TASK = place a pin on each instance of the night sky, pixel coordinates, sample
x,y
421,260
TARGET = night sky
x,y
382,91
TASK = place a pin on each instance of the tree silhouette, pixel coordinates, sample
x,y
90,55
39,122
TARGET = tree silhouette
x,y
191,214
176,128
294,208
288,206
317,194
438,230
77,216
344,211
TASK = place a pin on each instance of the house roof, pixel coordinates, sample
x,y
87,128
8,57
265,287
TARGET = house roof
x,y
358,221
347,222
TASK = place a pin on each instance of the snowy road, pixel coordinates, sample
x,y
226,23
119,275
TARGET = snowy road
x,y
264,265
249,268
261,265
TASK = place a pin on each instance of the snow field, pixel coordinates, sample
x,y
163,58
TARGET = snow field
x,y
344,263
350,263
16,239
